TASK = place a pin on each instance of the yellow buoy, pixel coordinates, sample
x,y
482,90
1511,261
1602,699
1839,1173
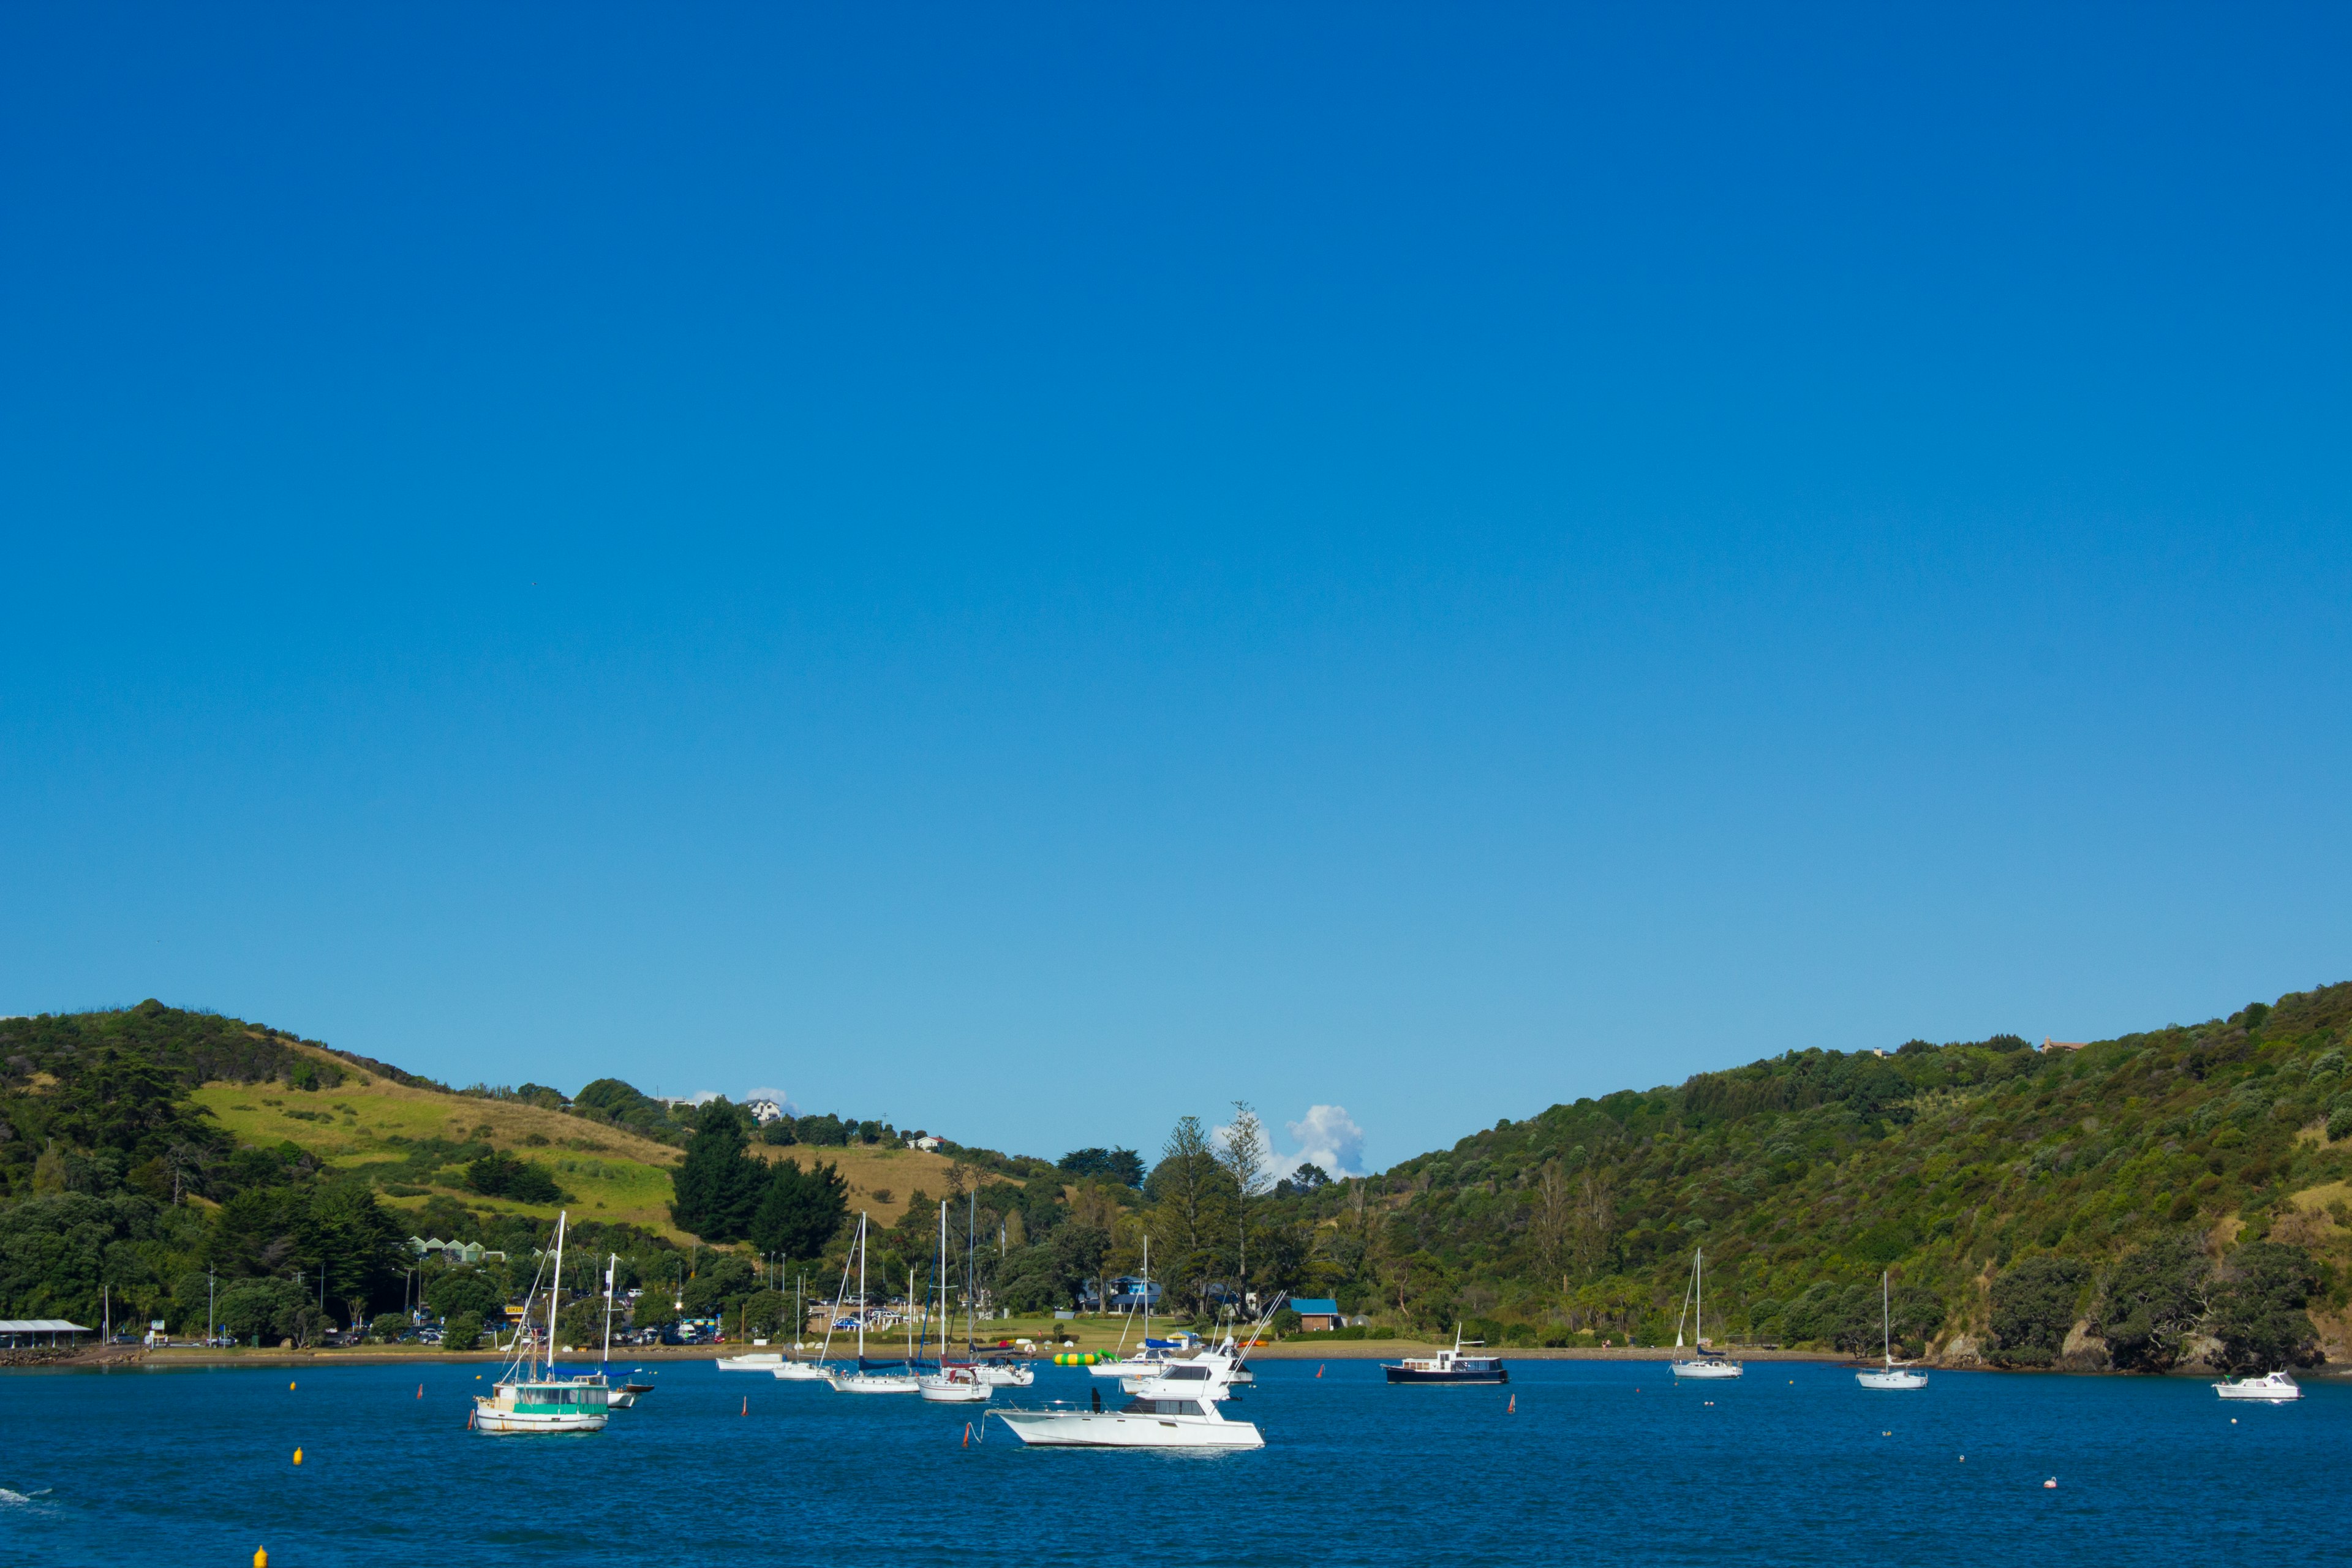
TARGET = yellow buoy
x,y
290,1388
298,1456
261,1557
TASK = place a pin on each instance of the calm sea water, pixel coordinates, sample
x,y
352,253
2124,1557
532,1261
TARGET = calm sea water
x,y
1603,1463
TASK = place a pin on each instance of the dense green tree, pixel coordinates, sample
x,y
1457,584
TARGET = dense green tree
x,y
271,1309
450,1292
501,1175
1124,1167
723,1279
2034,1309
462,1333
718,1187
2260,1318
2155,1299
801,1209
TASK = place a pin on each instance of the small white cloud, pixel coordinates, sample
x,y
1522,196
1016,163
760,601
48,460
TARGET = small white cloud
x,y
1328,1137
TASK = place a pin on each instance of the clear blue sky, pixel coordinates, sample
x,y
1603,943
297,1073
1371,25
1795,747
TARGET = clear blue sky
x,y
1425,559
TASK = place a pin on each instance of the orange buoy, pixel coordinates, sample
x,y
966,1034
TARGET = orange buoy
x,y
967,1434
747,1405
420,1391
1513,1408
2051,1485
1318,1369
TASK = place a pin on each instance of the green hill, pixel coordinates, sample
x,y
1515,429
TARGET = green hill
x,y
2179,1194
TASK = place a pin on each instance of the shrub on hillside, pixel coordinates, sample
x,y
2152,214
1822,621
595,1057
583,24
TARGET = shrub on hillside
x,y
2033,1310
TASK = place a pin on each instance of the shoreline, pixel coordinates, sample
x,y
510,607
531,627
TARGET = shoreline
x,y
127,1358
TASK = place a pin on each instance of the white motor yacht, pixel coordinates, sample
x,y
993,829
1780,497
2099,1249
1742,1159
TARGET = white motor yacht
x,y
757,1360
1141,1422
2271,1388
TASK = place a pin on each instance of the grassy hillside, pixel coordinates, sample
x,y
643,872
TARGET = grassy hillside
x,y
1954,1167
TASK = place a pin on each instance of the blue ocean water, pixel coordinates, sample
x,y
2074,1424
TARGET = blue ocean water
x,y
1602,1463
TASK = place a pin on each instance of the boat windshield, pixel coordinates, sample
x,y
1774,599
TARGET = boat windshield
x,y
1162,1407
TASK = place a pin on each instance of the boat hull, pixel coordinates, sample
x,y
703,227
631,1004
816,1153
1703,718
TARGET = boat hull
x,y
1114,1429
869,1383
758,1363
956,1393
1003,1376
488,1417
1415,1374
804,1372
1709,1370
1892,1382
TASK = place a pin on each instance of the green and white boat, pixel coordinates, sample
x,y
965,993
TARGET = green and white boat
x,y
530,1396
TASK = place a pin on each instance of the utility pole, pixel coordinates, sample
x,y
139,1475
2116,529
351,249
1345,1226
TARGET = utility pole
x,y
209,1313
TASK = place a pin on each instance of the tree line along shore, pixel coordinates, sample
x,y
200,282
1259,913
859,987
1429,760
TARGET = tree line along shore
x,y
2176,1199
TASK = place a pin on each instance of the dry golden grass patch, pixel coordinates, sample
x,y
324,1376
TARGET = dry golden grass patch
x,y
872,1170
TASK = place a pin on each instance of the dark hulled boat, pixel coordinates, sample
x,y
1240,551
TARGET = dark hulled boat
x,y
1447,1366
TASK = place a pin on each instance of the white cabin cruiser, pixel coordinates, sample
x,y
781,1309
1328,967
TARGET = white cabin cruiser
x,y
2271,1388
757,1360
1140,1423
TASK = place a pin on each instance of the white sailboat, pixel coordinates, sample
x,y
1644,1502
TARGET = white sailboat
x,y
529,1399
794,1369
955,1382
1153,1357
865,1380
1890,1376
1704,1364
625,1397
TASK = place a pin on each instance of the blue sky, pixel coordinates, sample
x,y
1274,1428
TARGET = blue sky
x,y
1030,572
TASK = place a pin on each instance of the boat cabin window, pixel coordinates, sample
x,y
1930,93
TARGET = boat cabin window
x,y
1162,1407
1186,1375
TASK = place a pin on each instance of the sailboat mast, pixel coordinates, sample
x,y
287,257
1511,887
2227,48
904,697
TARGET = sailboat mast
x,y
1698,1286
609,1264
555,1291
1147,1290
1885,1318
861,1287
970,1268
943,1281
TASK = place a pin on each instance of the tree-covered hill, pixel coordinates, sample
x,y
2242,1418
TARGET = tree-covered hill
x,y
2177,1192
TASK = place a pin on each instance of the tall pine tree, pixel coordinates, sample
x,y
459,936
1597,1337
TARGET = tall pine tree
x,y
718,1187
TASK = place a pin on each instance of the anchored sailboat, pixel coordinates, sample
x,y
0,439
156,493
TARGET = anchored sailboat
x,y
526,1399
1703,1364
866,1379
1890,1375
955,1382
